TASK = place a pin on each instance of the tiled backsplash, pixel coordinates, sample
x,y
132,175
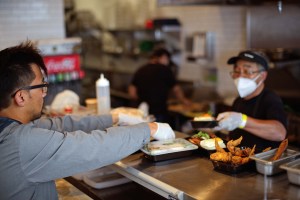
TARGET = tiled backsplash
x,y
30,19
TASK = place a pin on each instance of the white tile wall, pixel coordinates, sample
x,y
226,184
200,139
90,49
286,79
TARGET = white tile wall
x,y
30,19
228,23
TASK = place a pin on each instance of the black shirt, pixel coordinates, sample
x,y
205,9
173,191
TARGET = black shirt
x,y
153,83
267,105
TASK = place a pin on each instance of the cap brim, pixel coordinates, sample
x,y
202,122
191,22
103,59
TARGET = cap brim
x,y
232,60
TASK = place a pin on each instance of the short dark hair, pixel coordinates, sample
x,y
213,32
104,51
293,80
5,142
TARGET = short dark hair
x,y
157,53
15,69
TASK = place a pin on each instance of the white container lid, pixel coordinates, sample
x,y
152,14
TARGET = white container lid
x,y
168,146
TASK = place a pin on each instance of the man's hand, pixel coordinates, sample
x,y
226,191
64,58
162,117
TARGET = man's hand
x,y
231,120
163,132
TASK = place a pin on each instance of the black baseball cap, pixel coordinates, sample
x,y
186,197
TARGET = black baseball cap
x,y
250,56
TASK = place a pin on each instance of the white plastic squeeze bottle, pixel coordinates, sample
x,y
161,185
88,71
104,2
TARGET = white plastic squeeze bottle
x,y
103,95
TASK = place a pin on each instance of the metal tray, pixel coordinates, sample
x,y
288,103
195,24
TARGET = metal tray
x,y
204,124
293,171
267,167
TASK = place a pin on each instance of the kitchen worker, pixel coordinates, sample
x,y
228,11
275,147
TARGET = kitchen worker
x,y
37,150
257,114
153,82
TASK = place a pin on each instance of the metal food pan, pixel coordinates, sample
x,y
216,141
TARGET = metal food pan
x,y
293,171
267,167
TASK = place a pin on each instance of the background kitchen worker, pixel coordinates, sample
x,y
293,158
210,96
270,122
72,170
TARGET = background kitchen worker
x,y
153,82
37,150
258,114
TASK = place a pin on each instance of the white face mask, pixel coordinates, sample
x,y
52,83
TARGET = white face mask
x,y
246,86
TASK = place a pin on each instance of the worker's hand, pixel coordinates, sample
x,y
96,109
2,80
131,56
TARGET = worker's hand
x,y
230,121
163,132
125,119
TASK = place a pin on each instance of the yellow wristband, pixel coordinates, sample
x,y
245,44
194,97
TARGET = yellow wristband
x,y
244,121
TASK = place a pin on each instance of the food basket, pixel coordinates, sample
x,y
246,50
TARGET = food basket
x,y
168,149
230,168
293,171
267,167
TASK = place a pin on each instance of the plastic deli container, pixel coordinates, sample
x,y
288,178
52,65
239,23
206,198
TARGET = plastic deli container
x,y
168,149
103,178
267,167
293,171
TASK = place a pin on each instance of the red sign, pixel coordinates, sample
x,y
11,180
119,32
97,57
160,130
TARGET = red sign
x,y
62,63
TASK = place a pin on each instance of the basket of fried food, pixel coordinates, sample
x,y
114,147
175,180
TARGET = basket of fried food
x,y
235,160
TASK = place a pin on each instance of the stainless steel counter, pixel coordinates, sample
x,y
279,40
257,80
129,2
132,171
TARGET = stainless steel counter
x,y
193,177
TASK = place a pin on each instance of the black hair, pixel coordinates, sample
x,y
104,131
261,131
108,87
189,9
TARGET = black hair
x,y
15,69
160,52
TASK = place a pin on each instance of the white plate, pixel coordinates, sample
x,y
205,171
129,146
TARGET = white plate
x,y
209,144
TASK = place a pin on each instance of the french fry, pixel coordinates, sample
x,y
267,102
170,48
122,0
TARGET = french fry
x,y
282,147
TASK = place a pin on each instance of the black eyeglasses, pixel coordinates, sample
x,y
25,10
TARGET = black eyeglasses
x,y
44,87
246,73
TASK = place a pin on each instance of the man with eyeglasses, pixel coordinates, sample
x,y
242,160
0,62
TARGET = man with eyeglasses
x,y
257,114
37,150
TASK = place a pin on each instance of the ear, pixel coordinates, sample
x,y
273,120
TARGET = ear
x,y
264,75
19,98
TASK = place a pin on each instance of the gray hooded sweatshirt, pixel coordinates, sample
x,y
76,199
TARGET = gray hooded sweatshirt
x,y
33,155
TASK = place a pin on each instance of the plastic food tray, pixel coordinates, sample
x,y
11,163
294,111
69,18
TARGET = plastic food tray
x,y
104,178
168,149
293,171
267,167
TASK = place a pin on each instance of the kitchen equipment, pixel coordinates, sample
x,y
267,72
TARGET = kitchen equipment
x,y
293,171
267,167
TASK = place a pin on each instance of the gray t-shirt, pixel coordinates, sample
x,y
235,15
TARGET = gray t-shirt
x,y
33,155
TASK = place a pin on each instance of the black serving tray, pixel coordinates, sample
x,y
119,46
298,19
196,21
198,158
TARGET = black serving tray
x,y
168,156
168,149
204,124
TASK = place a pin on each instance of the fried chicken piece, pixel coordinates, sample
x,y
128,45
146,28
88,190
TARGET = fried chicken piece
x,y
236,159
233,143
238,152
221,156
